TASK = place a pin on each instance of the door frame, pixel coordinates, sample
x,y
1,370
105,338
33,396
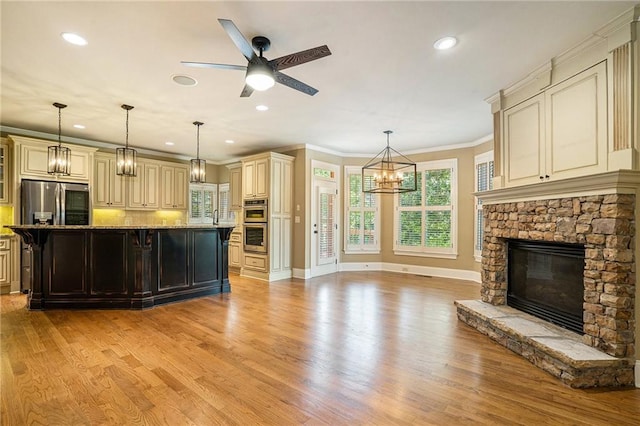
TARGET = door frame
x,y
315,182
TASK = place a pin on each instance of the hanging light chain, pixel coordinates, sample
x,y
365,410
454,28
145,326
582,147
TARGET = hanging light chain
x,y
126,141
198,124
59,106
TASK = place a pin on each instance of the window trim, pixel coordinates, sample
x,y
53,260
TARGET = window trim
x,y
435,252
485,157
360,248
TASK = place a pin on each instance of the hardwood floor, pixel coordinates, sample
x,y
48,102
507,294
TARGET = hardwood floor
x,y
350,348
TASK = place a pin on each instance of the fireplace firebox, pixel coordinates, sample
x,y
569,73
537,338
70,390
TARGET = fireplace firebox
x,y
545,279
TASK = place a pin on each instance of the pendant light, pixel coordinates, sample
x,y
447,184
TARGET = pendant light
x,y
126,162
385,175
198,166
58,156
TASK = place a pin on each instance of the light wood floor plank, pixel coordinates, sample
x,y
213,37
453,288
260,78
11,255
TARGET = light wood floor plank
x,y
349,348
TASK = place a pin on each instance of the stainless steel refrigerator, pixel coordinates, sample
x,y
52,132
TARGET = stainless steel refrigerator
x,y
51,203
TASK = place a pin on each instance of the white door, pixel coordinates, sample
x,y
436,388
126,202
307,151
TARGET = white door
x,y
324,220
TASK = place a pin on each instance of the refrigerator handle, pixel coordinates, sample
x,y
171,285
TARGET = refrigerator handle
x,y
60,197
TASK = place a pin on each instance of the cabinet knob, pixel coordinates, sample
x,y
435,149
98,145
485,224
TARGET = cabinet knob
x,y
541,177
546,176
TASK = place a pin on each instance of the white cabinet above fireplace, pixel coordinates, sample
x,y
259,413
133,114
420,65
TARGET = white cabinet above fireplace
x,y
559,133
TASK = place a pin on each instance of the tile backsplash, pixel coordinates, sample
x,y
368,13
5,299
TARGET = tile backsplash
x,y
138,217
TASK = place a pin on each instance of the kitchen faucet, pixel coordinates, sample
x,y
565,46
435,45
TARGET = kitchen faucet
x,y
215,217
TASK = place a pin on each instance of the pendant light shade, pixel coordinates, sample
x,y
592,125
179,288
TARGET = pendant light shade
x,y
58,156
126,158
198,166
384,174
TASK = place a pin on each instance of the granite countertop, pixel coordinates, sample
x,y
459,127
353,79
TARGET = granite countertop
x,y
71,227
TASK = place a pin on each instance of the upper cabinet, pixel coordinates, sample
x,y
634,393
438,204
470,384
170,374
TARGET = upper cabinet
x,y
5,174
255,178
109,189
32,160
235,186
559,133
144,188
174,186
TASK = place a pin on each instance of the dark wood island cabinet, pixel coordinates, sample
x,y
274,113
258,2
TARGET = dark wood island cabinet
x,y
125,267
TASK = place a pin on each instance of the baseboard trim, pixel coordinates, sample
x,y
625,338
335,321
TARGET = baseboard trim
x,y
303,274
460,274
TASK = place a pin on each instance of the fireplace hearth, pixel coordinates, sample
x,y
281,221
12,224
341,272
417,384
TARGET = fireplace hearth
x,y
545,279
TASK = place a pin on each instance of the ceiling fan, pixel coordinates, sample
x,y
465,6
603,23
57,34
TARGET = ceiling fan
x,y
262,73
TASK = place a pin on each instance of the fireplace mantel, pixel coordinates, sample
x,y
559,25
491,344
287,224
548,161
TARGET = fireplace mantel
x,y
618,182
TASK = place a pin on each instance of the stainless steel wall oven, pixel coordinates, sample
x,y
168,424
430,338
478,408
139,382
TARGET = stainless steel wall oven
x,y
255,211
255,237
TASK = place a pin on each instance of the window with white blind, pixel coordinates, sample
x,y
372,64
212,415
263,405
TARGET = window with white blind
x,y
362,215
203,200
224,201
425,222
483,182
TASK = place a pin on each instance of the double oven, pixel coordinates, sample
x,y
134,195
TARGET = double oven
x,y
255,226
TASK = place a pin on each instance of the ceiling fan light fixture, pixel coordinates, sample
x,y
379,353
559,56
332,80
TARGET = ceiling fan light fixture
x,y
260,77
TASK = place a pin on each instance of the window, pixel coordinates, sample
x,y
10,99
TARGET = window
x,y
202,202
223,202
425,220
484,182
362,215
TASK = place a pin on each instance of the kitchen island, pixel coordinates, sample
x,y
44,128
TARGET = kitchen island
x,y
124,267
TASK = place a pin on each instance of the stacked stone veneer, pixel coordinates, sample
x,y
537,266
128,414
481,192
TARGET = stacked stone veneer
x,y
605,225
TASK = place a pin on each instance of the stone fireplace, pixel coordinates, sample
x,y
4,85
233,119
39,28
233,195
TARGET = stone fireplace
x,y
605,225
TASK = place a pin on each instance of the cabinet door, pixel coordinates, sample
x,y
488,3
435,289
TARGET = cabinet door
x,y
576,116
235,187
248,179
262,178
101,182
180,187
168,193
137,189
5,275
235,255
117,186
152,179
34,162
524,138
4,174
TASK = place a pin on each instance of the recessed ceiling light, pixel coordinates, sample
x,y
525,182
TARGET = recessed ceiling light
x,y
445,43
262,108
184,80
229,141
74,39
169,143
79,126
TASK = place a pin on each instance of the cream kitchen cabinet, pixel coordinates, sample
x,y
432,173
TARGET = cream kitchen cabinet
x,y
143,191
235,186
235,249
5,173
174,187
109,189
255,178
32,160
560,133
5,265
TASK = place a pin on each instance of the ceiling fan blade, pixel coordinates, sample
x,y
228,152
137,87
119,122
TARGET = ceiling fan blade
x,y
238,39
298,58
210,65
294,84
247,91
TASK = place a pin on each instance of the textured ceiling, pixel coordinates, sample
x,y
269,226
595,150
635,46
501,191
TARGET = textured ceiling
x,y
383,72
